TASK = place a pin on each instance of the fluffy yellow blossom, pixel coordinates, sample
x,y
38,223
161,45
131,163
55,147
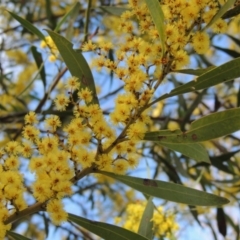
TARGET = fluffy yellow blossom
x,y
48,42
201,42
164,225
31,118
89,46
11,178
220,26
61,101
85,94
133,160
121,114
120,166
36,164
190,13
85,158
13,147
181,58
42,189
53,122
72,83
18,56
52,58
136,131
12,163
30,132
48,144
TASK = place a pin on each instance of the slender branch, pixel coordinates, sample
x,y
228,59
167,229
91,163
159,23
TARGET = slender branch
x,y
41,206
57,79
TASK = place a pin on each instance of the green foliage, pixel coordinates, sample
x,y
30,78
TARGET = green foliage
x,y
158,18
76,63
198,129
146,225
170,191
105,230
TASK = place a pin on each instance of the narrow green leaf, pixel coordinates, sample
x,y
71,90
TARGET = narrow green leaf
x,y
158,18
28,25
39,62
105,230
76,63
196,72
232,12
117,11
16,236
70,13
206,128
164,132
230,52
190,109
216,125
169,191
193,150
223,73
221,222
220,13
223,167
146,225
49,13
234,39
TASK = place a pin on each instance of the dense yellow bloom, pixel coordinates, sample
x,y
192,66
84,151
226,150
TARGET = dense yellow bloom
x,y
120,166
201,42
12,163
30,132
11,178
42,190
190,13
181,59
220,26
18,56
72,83
105,162
136,131
141,65
53,122
36,164
48,42
47,144
13,147
61,101
4,228
85,94
133,160
164,224
63,189
31,118
105,45
85,158
52,58
89,46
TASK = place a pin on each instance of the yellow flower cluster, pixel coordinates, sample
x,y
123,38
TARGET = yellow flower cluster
x,y
11,184
48,42
164,224
18,56
137,58
56,155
